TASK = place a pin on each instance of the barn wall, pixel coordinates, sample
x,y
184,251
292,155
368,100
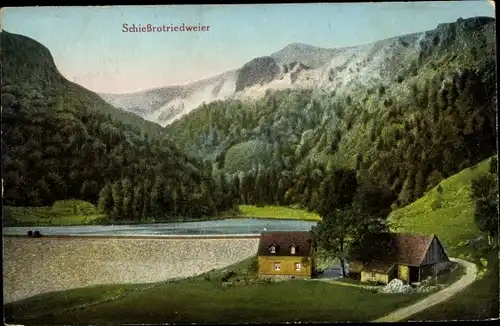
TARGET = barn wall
x,y
435,254
366,276
430,270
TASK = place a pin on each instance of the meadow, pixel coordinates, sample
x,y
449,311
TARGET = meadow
x,y
232,294
449,213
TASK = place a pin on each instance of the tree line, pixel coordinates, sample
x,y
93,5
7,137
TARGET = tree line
x,y
484,193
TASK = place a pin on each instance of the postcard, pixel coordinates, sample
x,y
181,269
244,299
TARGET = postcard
x,y
250,163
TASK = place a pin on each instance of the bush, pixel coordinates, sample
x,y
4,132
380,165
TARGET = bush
x,y
436,204
227,276
254,266
268,280
493,165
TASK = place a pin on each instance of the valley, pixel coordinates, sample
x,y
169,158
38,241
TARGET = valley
x,y
396,135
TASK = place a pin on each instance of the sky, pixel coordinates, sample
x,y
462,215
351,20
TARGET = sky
x,y
90,47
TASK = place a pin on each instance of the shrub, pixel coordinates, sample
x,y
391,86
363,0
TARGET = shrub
x,y
227,276
254,266
493,165
436,204
434,179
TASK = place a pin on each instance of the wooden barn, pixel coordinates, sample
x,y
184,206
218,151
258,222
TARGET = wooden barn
x,y
410,257
286,254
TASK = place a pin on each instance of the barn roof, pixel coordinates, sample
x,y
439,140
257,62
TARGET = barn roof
x,y
379,266
401,248
283,241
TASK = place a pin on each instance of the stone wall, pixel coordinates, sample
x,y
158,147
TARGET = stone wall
x,y
39,265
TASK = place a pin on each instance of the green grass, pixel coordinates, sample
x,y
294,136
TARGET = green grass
x,y
245,298
204,299
278,212
64,212
76,212
452,277
478,301
450,215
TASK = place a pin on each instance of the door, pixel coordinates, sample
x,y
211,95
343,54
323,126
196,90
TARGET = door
x,y
414,274
403,273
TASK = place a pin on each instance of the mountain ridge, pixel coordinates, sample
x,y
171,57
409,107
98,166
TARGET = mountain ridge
x,y
39,56
329,68
406,111
61,141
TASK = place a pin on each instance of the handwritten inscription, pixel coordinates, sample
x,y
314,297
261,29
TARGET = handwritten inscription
x,y
149,28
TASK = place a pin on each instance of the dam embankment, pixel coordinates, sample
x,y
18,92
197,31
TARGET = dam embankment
x,y
52,263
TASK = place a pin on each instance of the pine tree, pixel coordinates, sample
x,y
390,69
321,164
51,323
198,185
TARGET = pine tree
x,y
260,186
117,193
106,199
138,204
146,199
156,199
337,191
128,199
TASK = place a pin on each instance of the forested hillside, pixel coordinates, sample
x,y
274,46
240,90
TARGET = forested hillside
x,y
436,117
61,141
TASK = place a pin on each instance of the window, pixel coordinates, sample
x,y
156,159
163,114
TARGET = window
x,y
292,250
272,249
276,266
297,266
373,274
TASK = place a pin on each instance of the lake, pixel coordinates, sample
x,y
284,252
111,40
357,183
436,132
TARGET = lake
x,y
218,227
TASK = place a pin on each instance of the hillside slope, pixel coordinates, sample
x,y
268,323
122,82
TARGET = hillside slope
x,y
277,71
446,210
61,141
342,69
27,63
428,112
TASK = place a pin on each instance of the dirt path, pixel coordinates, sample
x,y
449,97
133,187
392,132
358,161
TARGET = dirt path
x,y
438,297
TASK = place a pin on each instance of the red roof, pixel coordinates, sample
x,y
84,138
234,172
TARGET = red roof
x,y
283,241
400,248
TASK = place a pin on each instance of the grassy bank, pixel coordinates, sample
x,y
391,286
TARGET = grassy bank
x,y
233,294
449,213
64,212
278,212
76,212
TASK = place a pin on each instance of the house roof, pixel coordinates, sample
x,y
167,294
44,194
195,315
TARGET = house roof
x,y
379,266
400,248
283,241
